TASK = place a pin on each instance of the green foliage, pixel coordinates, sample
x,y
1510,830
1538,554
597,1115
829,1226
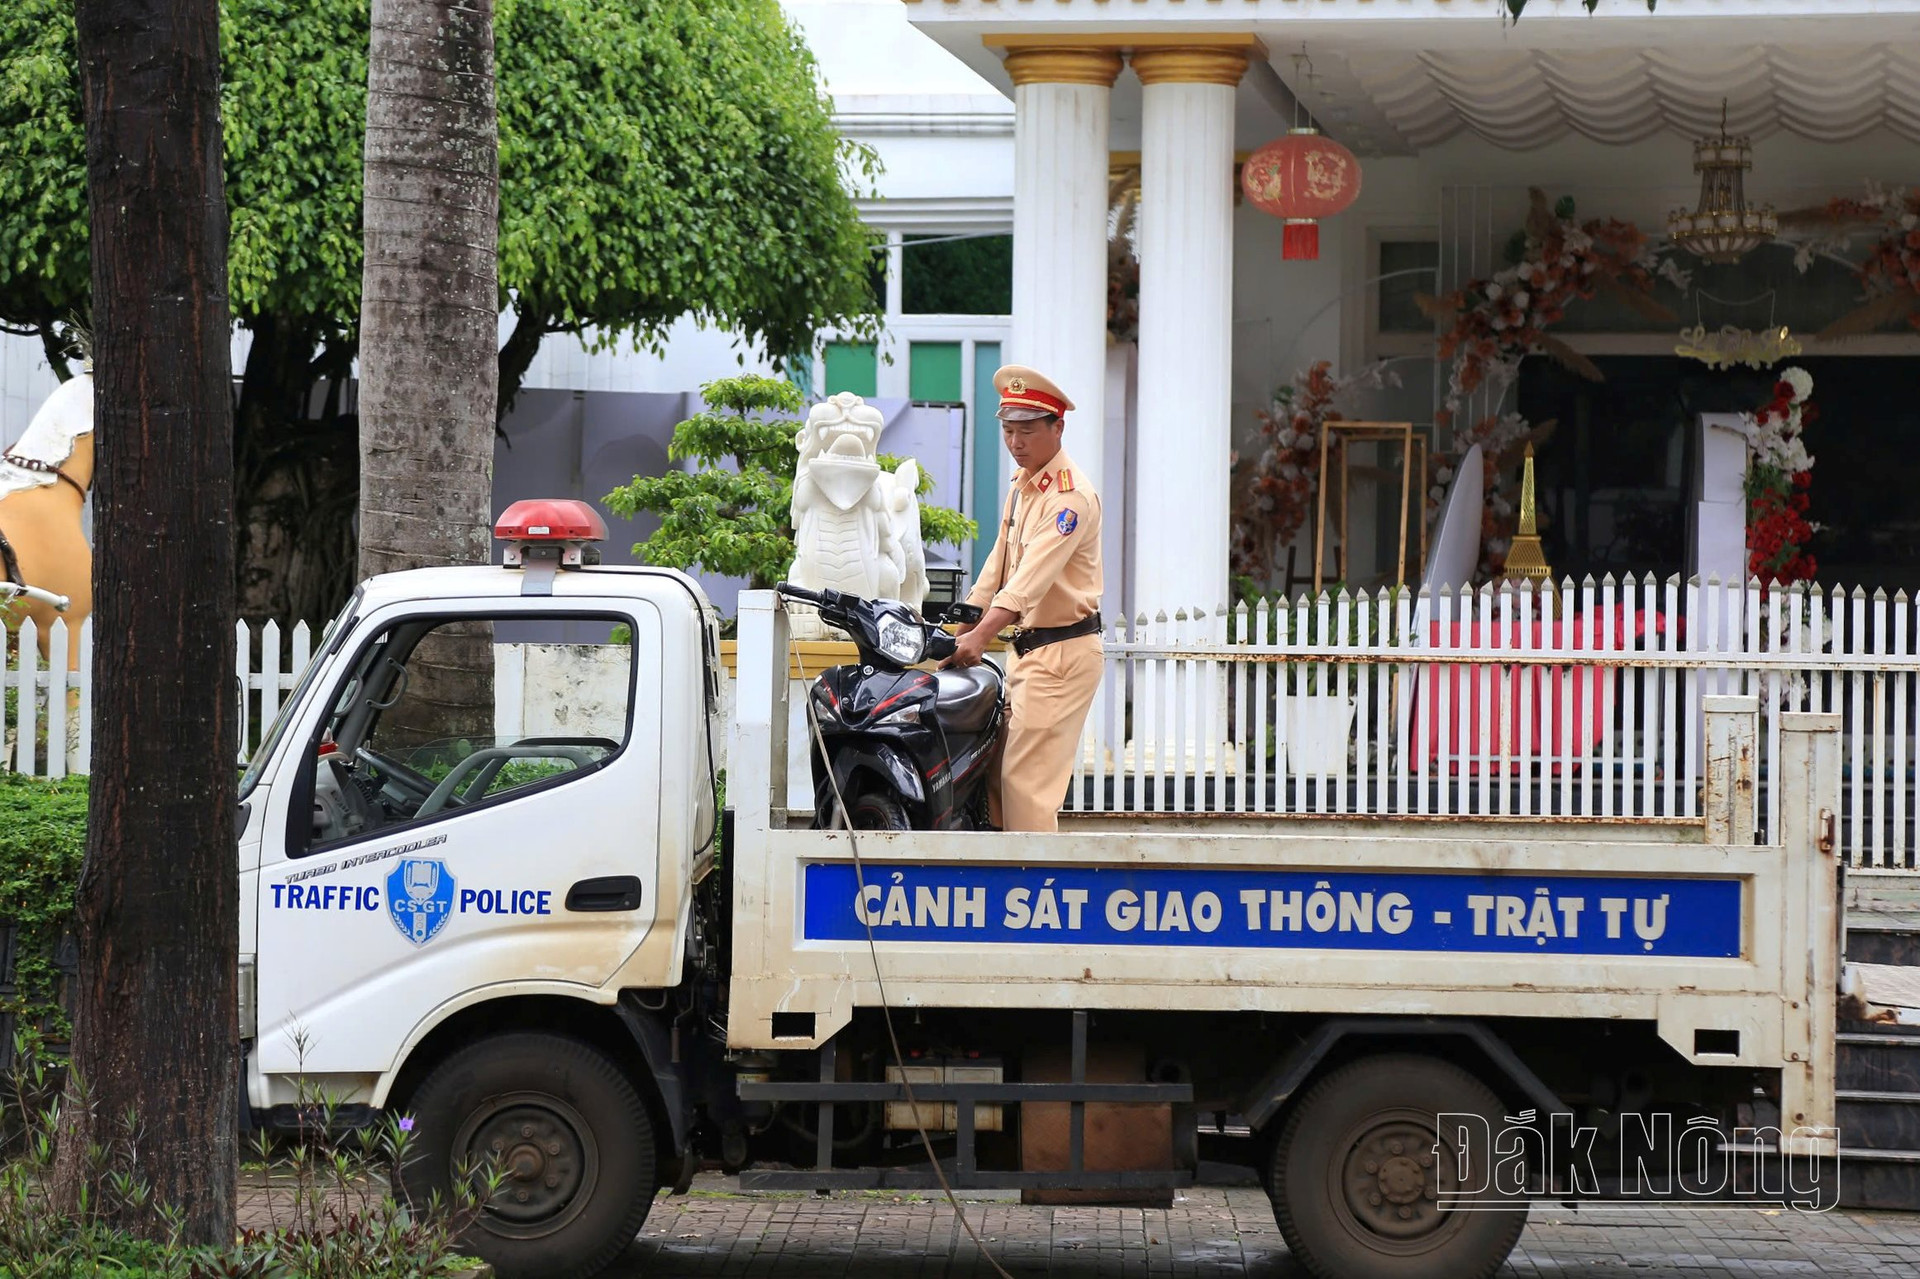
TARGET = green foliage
x,y
973,276
657,157
44,269
293,102
332,1213
732,516
43,835
38,1238
665,156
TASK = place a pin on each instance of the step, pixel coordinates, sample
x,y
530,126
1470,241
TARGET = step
x,y
1882,1179
1879,1062
1874,1119
1883,943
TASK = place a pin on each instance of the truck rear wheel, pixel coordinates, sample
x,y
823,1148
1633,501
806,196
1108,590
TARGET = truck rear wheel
x,y
1356,1182
569,1135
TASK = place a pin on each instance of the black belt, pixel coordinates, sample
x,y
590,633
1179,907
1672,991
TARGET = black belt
x,y
1026,641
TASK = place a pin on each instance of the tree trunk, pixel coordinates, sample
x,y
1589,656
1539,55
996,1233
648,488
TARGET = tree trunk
x,y
154,1021
296,477
429,324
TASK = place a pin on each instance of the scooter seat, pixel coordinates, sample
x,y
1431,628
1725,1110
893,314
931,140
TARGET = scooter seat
x,y
964,699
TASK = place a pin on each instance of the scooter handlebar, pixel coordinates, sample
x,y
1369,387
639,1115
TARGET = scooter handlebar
x,y
10,591
800,593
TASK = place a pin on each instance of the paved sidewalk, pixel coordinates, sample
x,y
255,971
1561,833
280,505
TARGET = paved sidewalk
x,y
716,1233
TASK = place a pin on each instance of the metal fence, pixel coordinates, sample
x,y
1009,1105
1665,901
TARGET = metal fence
x,y
1582,701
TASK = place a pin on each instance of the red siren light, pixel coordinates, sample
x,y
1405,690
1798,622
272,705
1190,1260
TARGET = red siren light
x,y
550,519
566,524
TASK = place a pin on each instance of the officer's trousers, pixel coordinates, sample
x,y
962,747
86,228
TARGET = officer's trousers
x,y
1051,689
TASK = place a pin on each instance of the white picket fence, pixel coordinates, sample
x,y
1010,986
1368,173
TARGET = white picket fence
x,y
60,711
1489,704
1502,704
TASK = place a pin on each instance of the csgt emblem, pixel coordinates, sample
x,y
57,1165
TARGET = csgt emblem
x,y
420,899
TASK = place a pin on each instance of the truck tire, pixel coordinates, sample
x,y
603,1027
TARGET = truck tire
x,y
568,1131
1354,1178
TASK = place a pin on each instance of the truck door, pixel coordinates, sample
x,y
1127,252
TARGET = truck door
x,y
453,783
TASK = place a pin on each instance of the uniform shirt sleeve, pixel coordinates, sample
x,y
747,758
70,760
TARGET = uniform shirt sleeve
x,y
1045,552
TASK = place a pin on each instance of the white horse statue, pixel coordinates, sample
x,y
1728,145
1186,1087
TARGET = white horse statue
x,y
44,479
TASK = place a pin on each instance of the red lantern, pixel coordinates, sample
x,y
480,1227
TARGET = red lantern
x,y
1301,177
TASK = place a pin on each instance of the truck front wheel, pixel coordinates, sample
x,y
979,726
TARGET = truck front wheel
x,y
568,1135
1359,1180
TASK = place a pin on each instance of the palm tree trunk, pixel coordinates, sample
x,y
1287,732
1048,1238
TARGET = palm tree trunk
x,y
158,914
429,327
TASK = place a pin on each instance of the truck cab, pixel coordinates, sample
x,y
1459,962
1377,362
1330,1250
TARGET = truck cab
x,y
423,861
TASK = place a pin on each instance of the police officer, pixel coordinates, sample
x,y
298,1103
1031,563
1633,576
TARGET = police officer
x,y
1043,577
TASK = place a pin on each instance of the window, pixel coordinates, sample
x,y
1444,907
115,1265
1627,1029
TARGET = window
x,y
941,275
933,372
1407,268
434,720
852,366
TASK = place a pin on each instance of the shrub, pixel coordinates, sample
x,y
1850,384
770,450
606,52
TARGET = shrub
x,y
43,835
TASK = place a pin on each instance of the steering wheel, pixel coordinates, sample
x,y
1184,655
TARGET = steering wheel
x,y
399,774
493,757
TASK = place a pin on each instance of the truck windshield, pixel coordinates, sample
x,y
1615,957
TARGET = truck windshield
x,y
330,640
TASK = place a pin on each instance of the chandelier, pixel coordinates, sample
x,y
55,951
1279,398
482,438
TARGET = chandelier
x,y
1724,228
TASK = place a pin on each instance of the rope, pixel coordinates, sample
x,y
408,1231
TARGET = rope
x,y
886,1008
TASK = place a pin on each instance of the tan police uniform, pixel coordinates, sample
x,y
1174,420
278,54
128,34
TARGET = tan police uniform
x,y
1044,567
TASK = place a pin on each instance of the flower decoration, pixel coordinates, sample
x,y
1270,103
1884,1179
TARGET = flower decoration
x,y
1123,269
1891,272
1496,322
1779,475
1276,491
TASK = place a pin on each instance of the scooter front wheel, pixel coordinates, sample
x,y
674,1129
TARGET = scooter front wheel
x,y
872,811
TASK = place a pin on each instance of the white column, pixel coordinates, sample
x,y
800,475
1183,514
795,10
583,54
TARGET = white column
x,y
1062,110
1184,431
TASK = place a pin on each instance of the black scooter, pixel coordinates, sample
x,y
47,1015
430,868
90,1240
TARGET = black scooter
x,y
911,750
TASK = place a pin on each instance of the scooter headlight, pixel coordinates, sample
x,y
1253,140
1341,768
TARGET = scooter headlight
x,y
903,642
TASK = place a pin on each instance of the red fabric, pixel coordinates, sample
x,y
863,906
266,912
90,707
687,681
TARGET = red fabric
x,y
1569,708
1300,242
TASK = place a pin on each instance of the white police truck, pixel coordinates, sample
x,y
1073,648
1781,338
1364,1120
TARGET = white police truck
x,y
533,931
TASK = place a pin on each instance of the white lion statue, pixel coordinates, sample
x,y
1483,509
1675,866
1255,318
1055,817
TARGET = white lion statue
x,y
856,528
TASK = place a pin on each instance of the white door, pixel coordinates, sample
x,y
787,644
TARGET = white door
x,y
415,852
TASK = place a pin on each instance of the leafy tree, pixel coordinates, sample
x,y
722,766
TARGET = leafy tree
x,y
732,516
658,158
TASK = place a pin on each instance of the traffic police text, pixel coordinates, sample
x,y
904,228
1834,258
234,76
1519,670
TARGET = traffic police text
x,y
355,897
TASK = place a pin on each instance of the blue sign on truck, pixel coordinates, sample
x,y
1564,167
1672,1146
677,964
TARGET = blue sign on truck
x,y
1533,914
